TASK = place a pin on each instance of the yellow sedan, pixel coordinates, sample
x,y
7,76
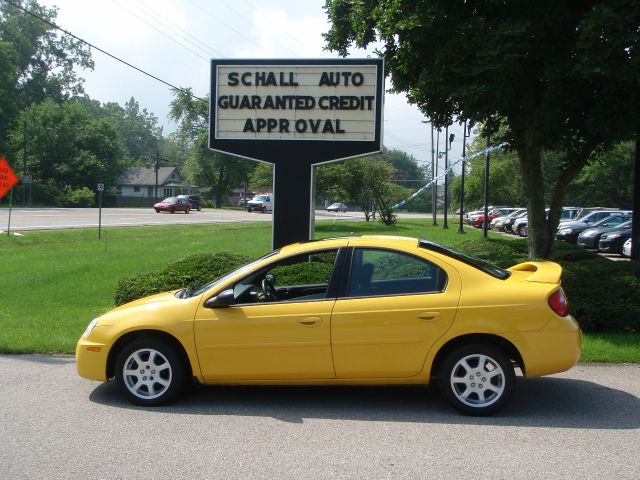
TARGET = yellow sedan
x,y
354,310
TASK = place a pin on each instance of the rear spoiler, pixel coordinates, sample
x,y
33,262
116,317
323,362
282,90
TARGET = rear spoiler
x,y
543,272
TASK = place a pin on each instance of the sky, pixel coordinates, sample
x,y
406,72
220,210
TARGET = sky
x,y
174,40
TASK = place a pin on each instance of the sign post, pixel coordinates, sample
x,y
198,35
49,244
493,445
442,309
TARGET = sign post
x,y
296,114
7,181
100,190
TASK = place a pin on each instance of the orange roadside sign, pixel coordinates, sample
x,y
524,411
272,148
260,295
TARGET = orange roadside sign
x,y
7,178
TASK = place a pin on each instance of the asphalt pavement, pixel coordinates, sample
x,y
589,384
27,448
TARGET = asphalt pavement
x,y
582,424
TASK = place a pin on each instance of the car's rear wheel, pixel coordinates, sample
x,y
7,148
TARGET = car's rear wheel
x,y
157,210
150,372
264,209
173,210
187,211
477,379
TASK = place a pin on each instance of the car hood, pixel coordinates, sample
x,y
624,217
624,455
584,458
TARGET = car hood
x,y
157,299
573,225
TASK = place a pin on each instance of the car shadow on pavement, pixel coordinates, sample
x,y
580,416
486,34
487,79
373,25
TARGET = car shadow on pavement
x,y
541,402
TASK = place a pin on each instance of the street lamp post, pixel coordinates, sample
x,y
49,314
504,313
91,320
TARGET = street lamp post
x,y
449,140
433,176
485,224
466,133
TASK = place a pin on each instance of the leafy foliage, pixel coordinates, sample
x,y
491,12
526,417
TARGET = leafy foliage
x,y
70,147
552,72
193,270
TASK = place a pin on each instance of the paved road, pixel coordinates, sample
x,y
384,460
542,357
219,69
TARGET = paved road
x,y
582,424
25,219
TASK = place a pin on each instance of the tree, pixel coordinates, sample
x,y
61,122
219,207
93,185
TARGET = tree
x,y
554,72
366,182
69,148
220,171
137,128
36,62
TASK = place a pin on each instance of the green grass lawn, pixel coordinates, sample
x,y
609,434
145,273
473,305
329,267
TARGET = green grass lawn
x,y
53,283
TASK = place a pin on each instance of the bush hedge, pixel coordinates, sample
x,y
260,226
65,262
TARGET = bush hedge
x,y
193,270
604,296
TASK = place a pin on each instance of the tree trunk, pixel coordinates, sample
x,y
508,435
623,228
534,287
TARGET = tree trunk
x,y
566,176
530,156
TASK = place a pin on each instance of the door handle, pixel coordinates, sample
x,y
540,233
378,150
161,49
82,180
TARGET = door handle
x,y
309,321
428,315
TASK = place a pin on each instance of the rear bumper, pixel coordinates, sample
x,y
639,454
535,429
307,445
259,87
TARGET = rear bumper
x,y
553,349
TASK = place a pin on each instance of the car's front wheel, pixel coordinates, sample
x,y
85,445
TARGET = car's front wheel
x,y
150,372
477,379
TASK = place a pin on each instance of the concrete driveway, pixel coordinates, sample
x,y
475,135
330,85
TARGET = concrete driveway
x,y
581,424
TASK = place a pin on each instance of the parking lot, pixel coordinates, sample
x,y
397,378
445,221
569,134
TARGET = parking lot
x,y
57,425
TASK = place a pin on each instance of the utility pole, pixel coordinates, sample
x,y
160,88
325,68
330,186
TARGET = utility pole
x,y
635,225
24,163
156,168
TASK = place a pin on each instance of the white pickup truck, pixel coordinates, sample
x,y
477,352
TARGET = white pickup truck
x,y
261,203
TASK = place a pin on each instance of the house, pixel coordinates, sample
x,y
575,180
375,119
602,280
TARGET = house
x,y
137,186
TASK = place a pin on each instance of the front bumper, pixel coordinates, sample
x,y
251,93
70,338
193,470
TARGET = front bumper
x,y
91,360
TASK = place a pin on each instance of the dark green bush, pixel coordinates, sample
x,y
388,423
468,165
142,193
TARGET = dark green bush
x,y
604,296
193,270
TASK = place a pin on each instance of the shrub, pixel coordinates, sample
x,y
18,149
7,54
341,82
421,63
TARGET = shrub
x,y
193,270
604,296
80,197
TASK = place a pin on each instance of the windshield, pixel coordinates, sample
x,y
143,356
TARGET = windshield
x,y
197,290
478,263
170,200
260,197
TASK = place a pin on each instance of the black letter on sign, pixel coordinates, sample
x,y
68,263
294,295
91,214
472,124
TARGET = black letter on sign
x,y
233,79
357,79
248,126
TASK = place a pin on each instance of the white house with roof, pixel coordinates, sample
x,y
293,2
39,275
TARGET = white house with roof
x,y
137,185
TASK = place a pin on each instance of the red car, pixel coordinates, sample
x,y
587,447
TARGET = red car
x,y
498,212
173,205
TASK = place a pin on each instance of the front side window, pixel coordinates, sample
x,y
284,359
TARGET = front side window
x,y
384,272
298,278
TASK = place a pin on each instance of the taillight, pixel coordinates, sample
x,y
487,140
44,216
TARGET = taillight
x,y
559,303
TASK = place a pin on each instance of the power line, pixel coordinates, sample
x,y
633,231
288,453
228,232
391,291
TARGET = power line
x,y
175,30
19,7
144,20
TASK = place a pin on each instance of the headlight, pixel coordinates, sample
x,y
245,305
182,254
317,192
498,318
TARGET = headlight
x,y
90,327
613,236
565,231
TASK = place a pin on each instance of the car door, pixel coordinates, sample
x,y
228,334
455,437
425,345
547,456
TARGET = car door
x,y
286,337
397,305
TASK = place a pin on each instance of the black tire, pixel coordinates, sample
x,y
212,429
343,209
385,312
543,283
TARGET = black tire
x,y
157,210
490,388
141,383
264,209
521,231
173,210
187,211
199,207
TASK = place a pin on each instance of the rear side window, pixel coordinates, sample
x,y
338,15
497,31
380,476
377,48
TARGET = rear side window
x,y
377,272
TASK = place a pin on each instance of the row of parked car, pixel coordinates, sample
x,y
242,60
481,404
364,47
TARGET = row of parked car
x,y
603,229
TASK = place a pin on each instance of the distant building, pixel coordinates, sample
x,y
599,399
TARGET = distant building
x,y
137,186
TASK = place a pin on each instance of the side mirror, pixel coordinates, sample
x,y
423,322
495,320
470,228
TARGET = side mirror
x,y
223,299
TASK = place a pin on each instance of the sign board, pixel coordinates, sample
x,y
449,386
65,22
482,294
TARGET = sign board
x,y
315,110
101,187
7,178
